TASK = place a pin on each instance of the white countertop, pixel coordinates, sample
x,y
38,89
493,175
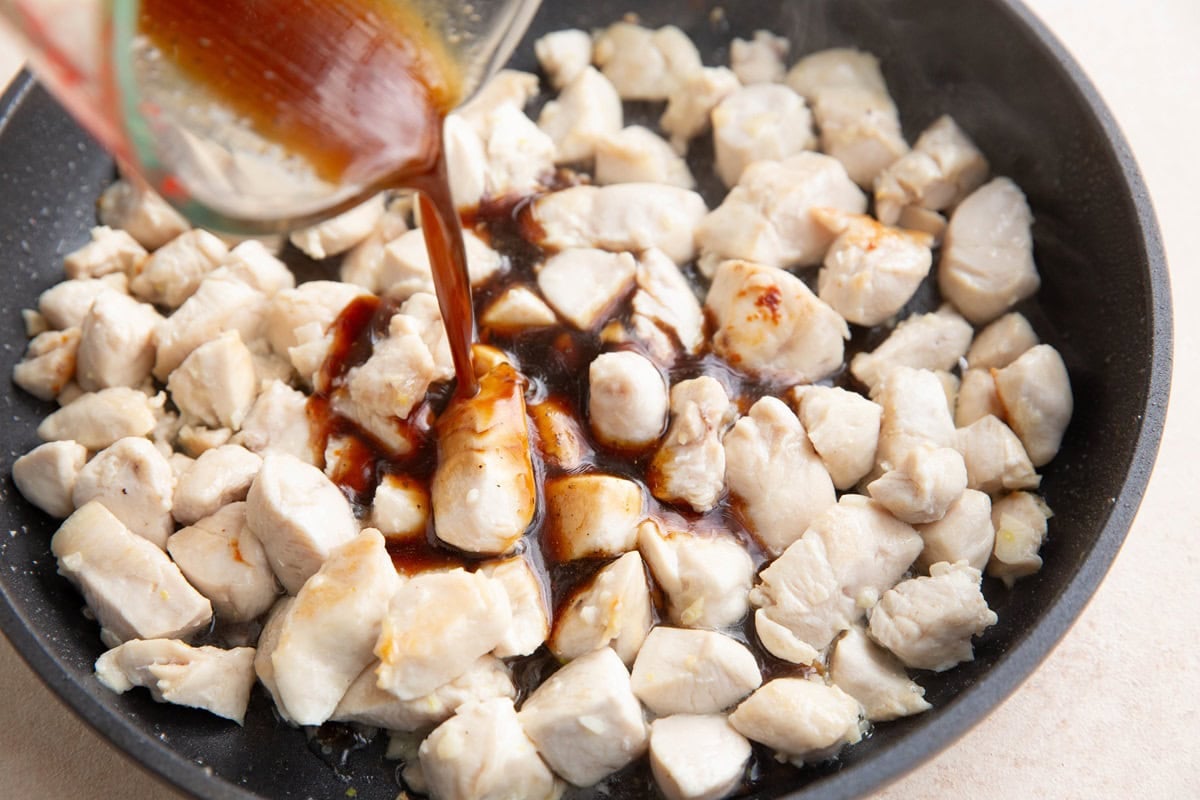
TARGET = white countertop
x,y
1113,712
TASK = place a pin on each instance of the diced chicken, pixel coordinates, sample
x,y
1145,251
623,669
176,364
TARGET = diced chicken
x,y
664,301
638,155
401,507
689,466
69,394
530,624
645,64
254,265
681,671
35,323
216,383
337,235
706,579
174,271
46,475
928,622
923,486
49,363
697,756
327,635
564,54
406,268
210,678
777,481
97,419
771,325
627,400
226,562
871,270
64,305
592,515
315,302
933,341
560,436
987,263
965,533
108,251
823,583
690,105
518,309
217,306
1020,521
278,423
585,719
996,461
299,516
483,489
802,720
943,167
1035,391
216,478
762,122
612,610
915,218
761,59
502,153
436,626
132,587
873,677
914,414
843,428
587,110
116,342
977,398
508,87
582,284
767,218
362,264
1002,342
133,480
135,208
196,440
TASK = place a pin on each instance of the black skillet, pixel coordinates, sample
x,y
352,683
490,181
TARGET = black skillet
x,y
1104,303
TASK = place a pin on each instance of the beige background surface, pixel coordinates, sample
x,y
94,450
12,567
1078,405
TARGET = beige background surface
x,y
1113,712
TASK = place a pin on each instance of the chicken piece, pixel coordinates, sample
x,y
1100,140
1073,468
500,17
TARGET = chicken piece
x,y
645,64
401,507
977,398
943,167
627,400
914,414
49,363
873,677
803,720
965,533
530,624
174,271
697,756
226,562
1020,521
843,428
582,284
776,479
35,323
564,54
923,486
586,110
300,517
995,459
267,641
132,587
612,610
987,262
116,342
215,479
638,155
915,218
254,265
933,341
134,207
361,265
483,489
69,393
406,268
681,671
508,87
585,719
196,440
706,578
65,304
133,480
763,122
108,251
871,271
216,384
210,678
436,626
278,423
592,515
767,218
664,301
761,59
337,235
823,582
689,466
46,475
1035,391
97,419
367,704
772,326
518,309
1002,342
560,436
217,307
690,105
928,622
500,153
315,302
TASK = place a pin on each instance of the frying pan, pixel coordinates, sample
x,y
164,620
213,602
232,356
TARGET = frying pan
x,y
1104,304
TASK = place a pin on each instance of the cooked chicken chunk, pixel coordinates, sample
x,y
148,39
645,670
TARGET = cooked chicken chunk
x,y
436,626
645,64
928,622
133,480
1020,522
996,461
315,302
530,624
1035,391
977,398
664,300
697,756
582,284
933,341
689,466
561,440
873,677
586,110
802,720
278,423
681,671
116,342
406,269
337,235
943,167
97,419
218,477
777,481
771,325
987,262
638,155
763,122
690,105
564,54
1001,342
518,309
843,428
401,507
612,610
216,307
965,533
108,251
508,87
706,579
627,399
502,153
49,363
210,678
914,414
759,60
923,486
592,515
64,305
132,587
254,265
46,475
216,384
174,271
133,207
362,264
585,719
